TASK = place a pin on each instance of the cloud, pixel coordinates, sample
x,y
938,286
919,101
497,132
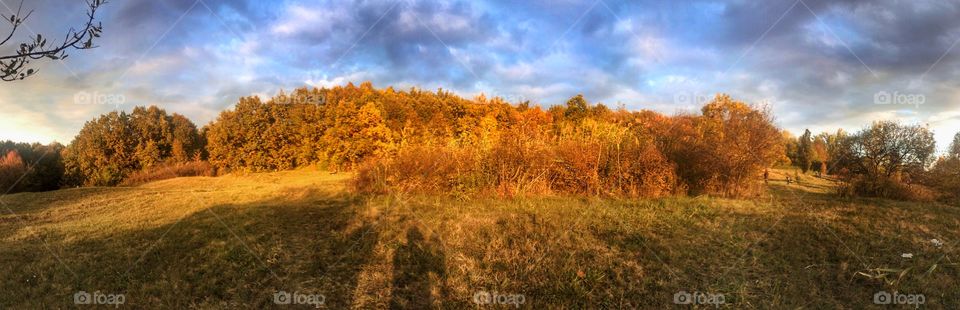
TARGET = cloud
x,y
818,63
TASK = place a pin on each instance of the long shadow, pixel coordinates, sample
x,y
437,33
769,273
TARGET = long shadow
x,y
227,256
417,263
803,260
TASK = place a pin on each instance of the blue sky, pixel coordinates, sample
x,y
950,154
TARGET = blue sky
x,y
818,64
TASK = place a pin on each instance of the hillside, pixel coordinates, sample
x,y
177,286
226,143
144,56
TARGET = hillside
x,y
234,241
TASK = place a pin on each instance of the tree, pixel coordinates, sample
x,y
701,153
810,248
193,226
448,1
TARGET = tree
x,y
15,66
886,149
576,108
45,165
804,151
955,146
116,144
12,170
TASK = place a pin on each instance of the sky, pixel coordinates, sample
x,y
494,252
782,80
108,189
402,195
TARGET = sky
x,y
821,65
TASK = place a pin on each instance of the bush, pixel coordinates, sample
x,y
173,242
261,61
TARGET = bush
x,y
518,167
418,170
169,171
888,187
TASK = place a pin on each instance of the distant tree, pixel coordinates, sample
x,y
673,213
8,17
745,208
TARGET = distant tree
x,y
805,152
790,148
44,167
955,146
15,66
12,169
887,148
109,148
576,108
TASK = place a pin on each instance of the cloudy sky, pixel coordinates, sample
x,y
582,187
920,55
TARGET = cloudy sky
x,y
821,65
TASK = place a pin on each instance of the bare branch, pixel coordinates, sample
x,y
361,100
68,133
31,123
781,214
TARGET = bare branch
x,y
14,67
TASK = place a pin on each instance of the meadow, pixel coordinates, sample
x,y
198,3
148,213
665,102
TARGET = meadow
x,y
234,241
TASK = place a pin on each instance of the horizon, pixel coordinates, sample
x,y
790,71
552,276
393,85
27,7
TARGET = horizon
x,y
197,58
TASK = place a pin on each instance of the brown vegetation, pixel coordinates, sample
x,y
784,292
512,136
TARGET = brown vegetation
x,y
169,171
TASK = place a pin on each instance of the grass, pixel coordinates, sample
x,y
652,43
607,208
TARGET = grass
x,y
233,241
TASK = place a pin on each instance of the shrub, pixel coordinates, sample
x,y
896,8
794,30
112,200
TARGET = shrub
x,y
892,188
418,170
517,165
169,171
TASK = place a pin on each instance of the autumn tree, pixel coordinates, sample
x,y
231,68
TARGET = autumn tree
x,y
12,169
887,148
113,145
954,149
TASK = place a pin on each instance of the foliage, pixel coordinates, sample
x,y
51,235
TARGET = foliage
x,y
30,167
116,144
169,171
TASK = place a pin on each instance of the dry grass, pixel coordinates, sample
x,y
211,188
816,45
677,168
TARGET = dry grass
x,y
232,241
169,171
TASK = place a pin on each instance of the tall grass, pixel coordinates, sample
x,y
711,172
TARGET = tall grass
x,y
521,167
169,171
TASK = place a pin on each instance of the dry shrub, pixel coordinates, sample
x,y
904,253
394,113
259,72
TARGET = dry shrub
x,y
722,151
169,171
575,169
518,165
886,187
419,170
641,170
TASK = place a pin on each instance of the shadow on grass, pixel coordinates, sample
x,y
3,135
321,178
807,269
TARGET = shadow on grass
x,y
417,263
223,256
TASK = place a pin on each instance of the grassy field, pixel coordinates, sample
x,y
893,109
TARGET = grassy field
x,y
235,241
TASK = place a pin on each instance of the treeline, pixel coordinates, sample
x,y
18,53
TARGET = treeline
x,y
108,150
28,167
885,159
435,141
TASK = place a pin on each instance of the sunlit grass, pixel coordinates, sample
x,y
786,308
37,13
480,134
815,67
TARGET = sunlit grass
x,y
233,241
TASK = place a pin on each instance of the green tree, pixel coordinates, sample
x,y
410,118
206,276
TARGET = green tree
x,y
805,152
576,108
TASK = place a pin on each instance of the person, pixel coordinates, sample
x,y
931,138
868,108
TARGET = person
x,y
766,176
789,180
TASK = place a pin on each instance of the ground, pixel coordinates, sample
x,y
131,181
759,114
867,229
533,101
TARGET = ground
x,y
235,241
